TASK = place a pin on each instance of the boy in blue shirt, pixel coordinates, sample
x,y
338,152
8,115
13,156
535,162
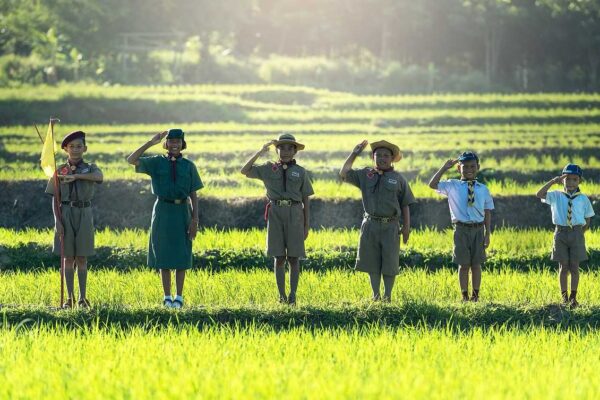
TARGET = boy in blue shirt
x,y
470,205
571,214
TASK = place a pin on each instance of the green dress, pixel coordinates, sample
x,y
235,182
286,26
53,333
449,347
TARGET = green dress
x,y
169,246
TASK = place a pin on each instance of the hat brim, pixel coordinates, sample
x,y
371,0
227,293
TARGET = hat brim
x,y
299,146
396,153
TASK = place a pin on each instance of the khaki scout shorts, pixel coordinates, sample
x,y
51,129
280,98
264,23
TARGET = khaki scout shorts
x,y
285,231
569,245
379,247
468,245
79,232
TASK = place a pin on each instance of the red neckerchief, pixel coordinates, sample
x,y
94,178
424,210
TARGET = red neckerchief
x,y
379,173
284,167
173,159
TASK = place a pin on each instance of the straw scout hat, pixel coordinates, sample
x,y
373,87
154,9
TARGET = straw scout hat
x,y
396,154
288,138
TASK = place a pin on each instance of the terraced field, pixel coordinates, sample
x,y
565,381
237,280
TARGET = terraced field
x,y
233,339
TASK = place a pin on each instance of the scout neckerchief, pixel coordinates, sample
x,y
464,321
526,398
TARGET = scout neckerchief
x,y
379,172
470,192
571,197
71,167
284,166
173,159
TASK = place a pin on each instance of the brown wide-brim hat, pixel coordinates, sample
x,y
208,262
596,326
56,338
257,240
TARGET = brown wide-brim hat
x,y
396,154
288,138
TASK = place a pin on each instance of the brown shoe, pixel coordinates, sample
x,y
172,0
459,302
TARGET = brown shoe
x,y
68,303
465,297
84,303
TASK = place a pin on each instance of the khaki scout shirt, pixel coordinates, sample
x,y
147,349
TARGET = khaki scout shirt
x,y
384,199
298,182
78,189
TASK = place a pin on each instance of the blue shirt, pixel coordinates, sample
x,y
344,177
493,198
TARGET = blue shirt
x,y
559,204
457,192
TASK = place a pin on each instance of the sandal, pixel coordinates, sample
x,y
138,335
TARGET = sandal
x,y
84,303
283,299
68,303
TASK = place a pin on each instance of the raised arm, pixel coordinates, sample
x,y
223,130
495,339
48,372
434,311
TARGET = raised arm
x,y
541,194
134,157
350,160
246,168
435,179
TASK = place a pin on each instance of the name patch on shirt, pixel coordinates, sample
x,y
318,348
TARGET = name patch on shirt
x,y
296,174
392,181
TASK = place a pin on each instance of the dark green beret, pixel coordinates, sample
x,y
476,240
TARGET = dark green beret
x,y
175,133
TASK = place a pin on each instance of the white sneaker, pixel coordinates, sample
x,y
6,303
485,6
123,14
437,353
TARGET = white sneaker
x,y
168,303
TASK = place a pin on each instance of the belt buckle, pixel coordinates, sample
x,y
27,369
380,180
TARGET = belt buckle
x,y
385,220
177,201
285,203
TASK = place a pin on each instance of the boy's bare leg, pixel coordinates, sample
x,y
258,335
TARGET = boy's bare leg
x,y
179,281
476,280
463,280
82,276
375,278
388,285
70,276
280,276
563,273
165,275
294,263
574,268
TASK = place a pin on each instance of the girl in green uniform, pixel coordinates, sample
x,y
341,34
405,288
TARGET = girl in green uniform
x,y
175,181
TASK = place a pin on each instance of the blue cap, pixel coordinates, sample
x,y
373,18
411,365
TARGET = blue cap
x,y
467,156
572,169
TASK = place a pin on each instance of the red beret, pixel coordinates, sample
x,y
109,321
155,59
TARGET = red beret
x,y
72,136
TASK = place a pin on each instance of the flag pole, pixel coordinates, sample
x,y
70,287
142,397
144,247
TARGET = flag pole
x,y
57,203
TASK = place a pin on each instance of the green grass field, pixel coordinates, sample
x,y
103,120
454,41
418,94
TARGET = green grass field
x,y
233,339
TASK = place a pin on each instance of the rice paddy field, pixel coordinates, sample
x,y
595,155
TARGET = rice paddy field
x,y
233,339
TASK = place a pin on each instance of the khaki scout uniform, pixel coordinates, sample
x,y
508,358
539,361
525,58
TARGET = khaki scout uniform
x,y
383,197
76,210
285,218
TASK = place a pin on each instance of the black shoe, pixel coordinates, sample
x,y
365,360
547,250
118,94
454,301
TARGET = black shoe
x,y
68,304
84,303
283,299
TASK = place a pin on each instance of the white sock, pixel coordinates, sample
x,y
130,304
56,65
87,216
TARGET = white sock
x,y
180,298
170,298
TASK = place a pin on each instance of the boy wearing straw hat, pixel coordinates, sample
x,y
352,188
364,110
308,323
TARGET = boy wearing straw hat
x,y
288,209
385,196
77,183
571,214
470,205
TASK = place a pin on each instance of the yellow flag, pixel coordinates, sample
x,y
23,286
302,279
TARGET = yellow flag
x,y
47,159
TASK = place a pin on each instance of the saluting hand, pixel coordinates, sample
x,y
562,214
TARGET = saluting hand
x,y
156,139
360,147
266,146
559,179
450,163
